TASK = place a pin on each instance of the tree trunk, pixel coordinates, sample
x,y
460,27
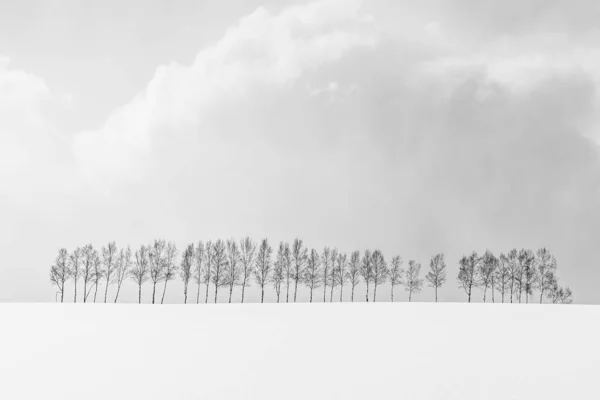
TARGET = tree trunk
x,y
96,291
493,289
206,298
484,293
409,295
311,292
262,293
75,297
62,294
185,294
325,291
164,291
341,293
140,295
216,292
278,292
541,294
198,294
230,292
243,290
375,293
287,291
436,294
352,295
331,296
392,293
367,292
118,290
295,289
106,289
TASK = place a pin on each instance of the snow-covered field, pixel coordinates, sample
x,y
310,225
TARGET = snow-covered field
x,y
299,351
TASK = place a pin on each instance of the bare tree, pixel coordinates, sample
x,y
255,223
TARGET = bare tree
x,y
396,274
353,274
122,271
74,269
312,272
502,275
485,271
299,260
169,267
98,272
326,263
208,251
233,272
141,270
157,258
185,269
287,268
218,266
436,276
278,275
340,273
366,270
199,268
513,271
87,269
331,281
247,252
527,259
412,281
109,262
380,271
467,273
559,295
59,272
545,270
263,266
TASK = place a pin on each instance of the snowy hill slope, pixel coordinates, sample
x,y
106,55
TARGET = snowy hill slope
x,y
299,351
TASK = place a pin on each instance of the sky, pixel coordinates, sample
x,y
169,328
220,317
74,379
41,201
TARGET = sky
x,y
414,127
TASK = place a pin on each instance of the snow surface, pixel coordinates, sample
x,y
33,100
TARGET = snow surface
x,y
299,351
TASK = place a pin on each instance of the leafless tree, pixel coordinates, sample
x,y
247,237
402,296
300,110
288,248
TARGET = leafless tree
x,y
59,272
287,270
513,271
326,263
312,272
186,268
526,260
199,268
263,266
412,281
396,274
75,269
218,266
485,271
559,295
331,273
208,251
545,270
502,276
157,259
436,276
169,267
353,273
141,270
88,255
366,270
467,273
123,269
98,274
380,271
109,262
233,272
278,275
299,261
340,273
247,253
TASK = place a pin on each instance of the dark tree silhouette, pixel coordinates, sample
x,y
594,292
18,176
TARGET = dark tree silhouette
x,y
380,271
340,275
186,268
396,274
331,274
208,261
312,272
502,276
412,281
141,270
122,270
59,272
199,268
485,271
247,254
218,266
353,274
559,295
278,275
233,272
467,273
299,260
545,270
88,255
157,259
287,269
326,263
109,262
526,261
366,271
75,269
513,271
436,276
169,267
263,266
98,274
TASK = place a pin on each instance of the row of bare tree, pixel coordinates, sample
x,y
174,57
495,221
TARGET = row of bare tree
x,y
229,264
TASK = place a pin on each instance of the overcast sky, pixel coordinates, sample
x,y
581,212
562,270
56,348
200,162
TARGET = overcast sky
x,y
415,127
